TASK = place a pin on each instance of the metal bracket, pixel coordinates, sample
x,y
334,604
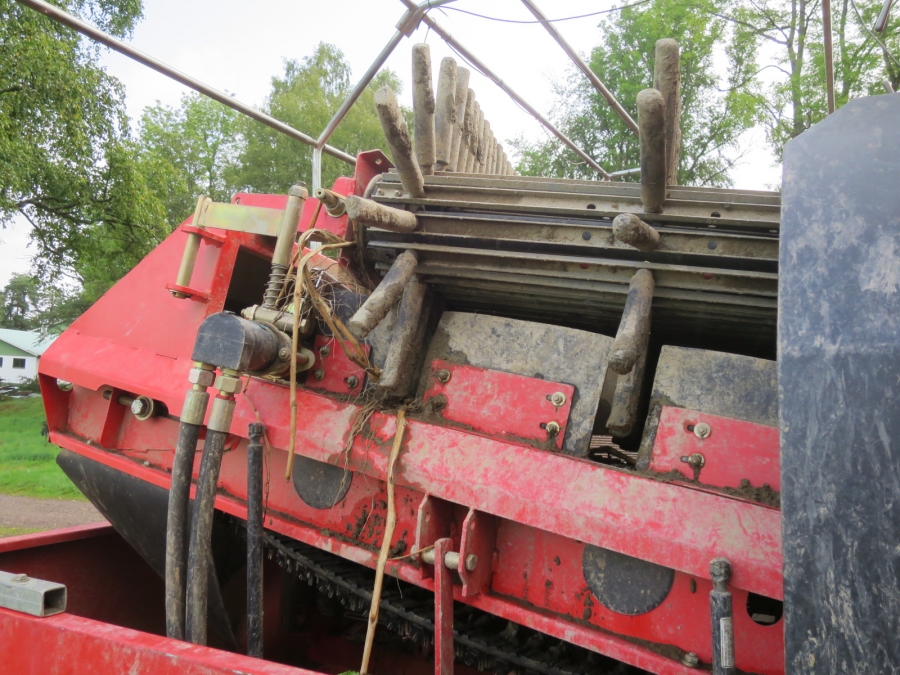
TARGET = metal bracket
x,y
479,539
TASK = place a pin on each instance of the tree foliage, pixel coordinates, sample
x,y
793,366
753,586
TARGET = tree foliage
x,y
66,161
716,109
306,96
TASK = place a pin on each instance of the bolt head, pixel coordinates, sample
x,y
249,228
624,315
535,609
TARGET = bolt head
x,y
319,374
324,351
702,430
352,381
204,378
558,399
444,375
691,660
552,428
284,353
696,460
139,407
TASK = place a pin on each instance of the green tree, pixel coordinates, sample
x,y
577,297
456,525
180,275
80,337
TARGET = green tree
x,y
792,30
192,150
66,161
20,302
306,96
716,109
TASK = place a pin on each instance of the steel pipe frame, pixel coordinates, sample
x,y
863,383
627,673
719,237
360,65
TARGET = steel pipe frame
x,y
145,59
578,61
405,27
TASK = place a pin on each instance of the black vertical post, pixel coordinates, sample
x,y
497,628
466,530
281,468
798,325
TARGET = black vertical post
x,y
254,542
839,391
720,610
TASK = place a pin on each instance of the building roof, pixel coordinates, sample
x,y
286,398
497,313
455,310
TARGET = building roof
x,y
26,340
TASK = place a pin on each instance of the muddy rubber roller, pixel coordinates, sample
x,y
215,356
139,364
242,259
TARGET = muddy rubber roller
x,y
389,291
635,324
372,214
397,136
631,230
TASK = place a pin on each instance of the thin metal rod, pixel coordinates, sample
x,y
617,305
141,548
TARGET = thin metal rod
x,y
188,81
881,22
359,88
585,68
487,72
829,54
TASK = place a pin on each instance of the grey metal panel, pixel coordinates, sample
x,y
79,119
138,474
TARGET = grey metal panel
x,y
538,350
839,388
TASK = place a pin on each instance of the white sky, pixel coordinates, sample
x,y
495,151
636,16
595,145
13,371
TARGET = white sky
x,y
238,46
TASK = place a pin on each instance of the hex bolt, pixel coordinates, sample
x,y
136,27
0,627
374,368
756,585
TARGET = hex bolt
x,y
558,399
284,353
702,430
695,459
552,428
319,374
690,659
352,381
324,351
143,408
444,376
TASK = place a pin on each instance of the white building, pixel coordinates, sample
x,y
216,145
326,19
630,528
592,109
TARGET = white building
x,y
20,351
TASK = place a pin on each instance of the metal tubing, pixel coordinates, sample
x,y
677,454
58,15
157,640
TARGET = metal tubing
x,y
388,292
191,248
401,351
667,80
635,323
423,107
372,214
631,230
461,98
829,54
397,136
584,67
721,612
284,244
652,119
188,81
477,63
445,118
883,16
255,541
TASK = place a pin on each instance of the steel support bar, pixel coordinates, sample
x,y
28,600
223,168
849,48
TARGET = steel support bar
x,y
578,61
443,611
145,59
487,72
829,54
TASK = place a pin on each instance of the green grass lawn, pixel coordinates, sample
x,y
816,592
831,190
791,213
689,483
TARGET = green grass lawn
x,y
27,461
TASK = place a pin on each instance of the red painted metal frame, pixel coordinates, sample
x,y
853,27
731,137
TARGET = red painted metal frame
x,y
540,508
500,405
734,450
66,644
443,610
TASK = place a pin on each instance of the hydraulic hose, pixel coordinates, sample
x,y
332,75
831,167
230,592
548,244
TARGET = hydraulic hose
x,y
176,528
254,542
192,414
200,553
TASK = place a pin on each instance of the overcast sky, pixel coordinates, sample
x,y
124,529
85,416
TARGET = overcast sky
x,y
238,46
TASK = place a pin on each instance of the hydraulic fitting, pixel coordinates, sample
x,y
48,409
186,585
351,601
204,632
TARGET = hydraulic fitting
x,y
201,376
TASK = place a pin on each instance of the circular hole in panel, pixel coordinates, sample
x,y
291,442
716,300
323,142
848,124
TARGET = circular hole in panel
x,y
764,611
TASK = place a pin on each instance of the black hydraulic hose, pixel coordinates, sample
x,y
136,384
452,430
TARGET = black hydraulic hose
x,y
176,528
254,542
200,554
